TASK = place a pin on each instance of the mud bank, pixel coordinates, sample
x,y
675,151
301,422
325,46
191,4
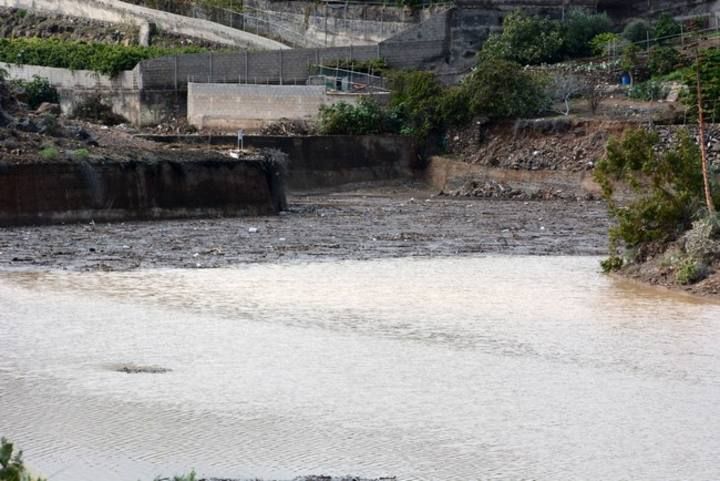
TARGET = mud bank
x,y
395,221
213,185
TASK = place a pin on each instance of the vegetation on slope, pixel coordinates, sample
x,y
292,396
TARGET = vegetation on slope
x,y
103,58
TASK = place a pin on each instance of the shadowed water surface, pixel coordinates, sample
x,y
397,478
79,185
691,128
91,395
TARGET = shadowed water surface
x,y
429,369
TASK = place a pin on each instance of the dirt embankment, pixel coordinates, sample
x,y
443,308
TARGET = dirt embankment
x,y
16,23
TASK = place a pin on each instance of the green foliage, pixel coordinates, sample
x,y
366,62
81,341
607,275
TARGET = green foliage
x,y
611,264
710,81
666,26
80,154
690,271
191,476
367,117
37,91
375,66
667,188
525,39
12,467
499,89
601,42
637,31
663,60
104,58
649,91
629,59
454,108
49,153
580,29
416,99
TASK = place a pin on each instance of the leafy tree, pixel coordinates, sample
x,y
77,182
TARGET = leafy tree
x,y
499,89
637,31
580,28
667,26
526,40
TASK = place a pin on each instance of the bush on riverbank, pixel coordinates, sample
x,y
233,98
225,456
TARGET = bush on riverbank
x,y
103,58
12,467
656,198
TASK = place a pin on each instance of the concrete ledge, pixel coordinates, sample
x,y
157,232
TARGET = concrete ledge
x,y
327,160
45,193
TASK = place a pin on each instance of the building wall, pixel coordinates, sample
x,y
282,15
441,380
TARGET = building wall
x,y
115,11
237,106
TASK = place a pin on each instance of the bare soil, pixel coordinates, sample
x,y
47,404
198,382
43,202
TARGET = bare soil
x,y
372,222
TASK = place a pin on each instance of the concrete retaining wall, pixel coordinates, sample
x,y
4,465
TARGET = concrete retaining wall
x,y
79,192
329,160
114,11
238,106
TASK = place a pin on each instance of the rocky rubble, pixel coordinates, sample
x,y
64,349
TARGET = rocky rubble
x,y
491,189
545,144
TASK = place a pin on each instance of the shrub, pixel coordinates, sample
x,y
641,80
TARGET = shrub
x,y
667,188
94,109
499,89
649,91
80,154
49,153
580,28
12,467
663,60
637,31
37,91
367,117
690,271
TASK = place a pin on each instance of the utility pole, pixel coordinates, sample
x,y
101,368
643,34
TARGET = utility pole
x,y
703,144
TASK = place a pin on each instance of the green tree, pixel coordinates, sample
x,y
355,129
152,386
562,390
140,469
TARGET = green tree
x,y
637,31
499,89
710,81
416,99
580,28
666,26
526,39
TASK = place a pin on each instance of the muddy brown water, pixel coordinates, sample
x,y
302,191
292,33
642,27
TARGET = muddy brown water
x,y
428,369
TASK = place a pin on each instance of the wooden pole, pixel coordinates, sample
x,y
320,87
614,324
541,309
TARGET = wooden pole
x,y
703,144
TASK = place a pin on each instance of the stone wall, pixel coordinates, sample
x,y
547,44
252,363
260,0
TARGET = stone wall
x,y
238,106
41,193
115,11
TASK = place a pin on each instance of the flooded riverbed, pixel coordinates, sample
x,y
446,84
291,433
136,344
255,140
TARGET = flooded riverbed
x,y
427,369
